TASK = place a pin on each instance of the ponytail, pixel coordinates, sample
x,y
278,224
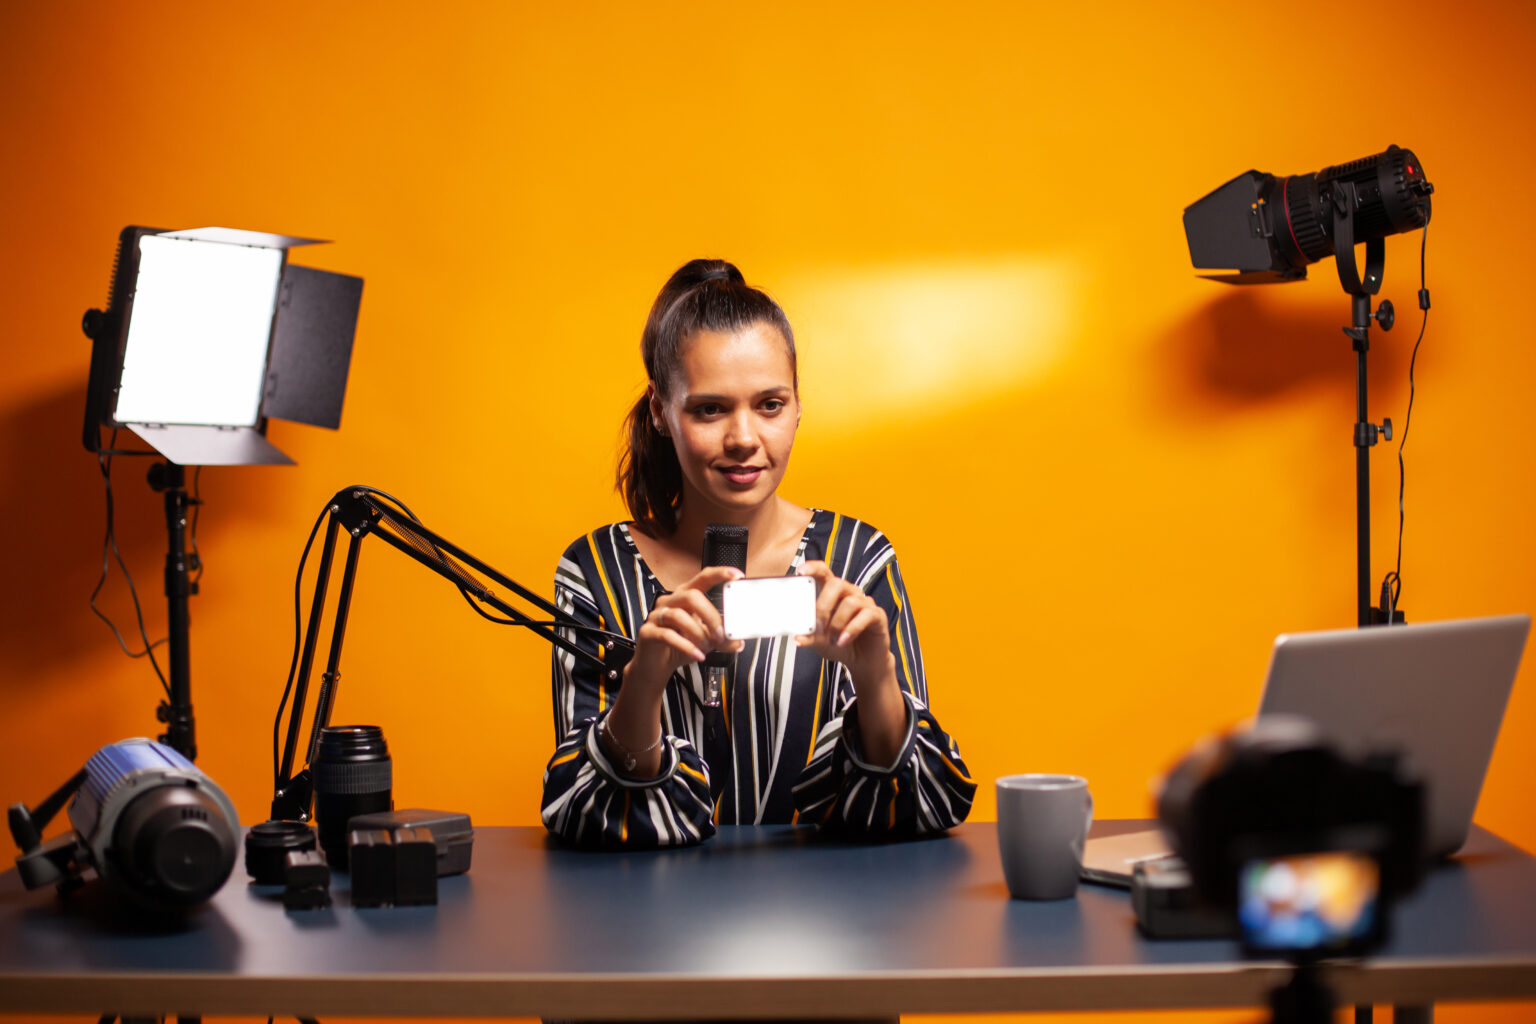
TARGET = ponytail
x,y
649,477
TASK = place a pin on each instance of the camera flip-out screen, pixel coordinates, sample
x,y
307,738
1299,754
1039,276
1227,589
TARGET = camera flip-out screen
x,y
210,332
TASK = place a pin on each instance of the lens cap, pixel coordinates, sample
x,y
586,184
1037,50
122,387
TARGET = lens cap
x,y
267,846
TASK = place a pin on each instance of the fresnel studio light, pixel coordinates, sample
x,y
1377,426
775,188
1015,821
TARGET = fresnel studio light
x,y
1265,228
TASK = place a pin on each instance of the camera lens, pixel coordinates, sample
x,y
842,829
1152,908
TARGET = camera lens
x,y
268,844
353,775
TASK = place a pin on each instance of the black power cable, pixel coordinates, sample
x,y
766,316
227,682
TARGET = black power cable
x,y
1392,585
109,548
197,506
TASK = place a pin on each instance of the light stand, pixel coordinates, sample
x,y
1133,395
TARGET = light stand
x,y
360,512
1346,201
180,726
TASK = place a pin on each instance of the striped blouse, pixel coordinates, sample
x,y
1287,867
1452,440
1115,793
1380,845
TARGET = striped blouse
x,y
782,747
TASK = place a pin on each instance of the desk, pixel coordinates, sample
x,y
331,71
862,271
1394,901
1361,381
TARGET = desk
x,y
758,921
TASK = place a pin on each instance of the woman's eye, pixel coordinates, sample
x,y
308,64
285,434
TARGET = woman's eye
x,y
708,409
773,405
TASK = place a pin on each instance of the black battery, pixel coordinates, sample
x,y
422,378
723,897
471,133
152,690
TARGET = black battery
x,y
1167,906
371,859
451,832
307,879
392,868
415,867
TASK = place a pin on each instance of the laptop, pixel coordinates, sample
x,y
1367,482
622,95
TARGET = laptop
x,y
1435,692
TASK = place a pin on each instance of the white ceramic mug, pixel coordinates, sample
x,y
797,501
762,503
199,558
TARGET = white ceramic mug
x,y
1042,823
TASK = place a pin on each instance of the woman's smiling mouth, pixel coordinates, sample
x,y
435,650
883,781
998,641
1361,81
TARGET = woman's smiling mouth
x,y
742,475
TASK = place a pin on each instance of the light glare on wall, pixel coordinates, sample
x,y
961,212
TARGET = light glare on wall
x,y
891,341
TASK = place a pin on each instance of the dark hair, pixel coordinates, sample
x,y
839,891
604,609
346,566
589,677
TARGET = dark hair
x,y
703,295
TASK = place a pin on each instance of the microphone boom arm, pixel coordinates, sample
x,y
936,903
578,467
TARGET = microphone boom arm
x,y
361,514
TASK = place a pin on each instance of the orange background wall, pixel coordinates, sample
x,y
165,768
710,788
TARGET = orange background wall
x,y
1110,483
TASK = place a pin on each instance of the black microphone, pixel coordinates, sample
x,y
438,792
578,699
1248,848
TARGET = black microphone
x,y
724,544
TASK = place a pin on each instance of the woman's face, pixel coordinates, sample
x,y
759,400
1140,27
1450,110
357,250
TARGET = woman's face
x,y
732,416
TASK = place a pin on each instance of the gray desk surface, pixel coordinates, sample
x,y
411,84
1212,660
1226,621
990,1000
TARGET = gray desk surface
x,y
757,922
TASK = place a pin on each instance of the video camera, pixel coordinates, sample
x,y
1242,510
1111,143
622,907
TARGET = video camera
x,y
1307,848
1304,849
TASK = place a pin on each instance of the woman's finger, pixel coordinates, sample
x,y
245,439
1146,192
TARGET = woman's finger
x,y
817,568
834,592
697,604
667,635
711,576
868,617
681,644
688,623
843,613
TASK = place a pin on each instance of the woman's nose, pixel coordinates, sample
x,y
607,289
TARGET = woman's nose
x,y
740,433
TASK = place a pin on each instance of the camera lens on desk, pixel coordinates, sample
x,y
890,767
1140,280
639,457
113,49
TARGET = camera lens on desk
x,y
353,775
267,847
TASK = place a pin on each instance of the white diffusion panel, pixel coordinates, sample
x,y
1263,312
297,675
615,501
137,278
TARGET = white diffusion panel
x,y
197,342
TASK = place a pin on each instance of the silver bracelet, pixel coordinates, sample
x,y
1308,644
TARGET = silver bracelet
x,y
629,761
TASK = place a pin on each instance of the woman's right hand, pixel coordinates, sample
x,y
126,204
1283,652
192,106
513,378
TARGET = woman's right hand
x,y
681,629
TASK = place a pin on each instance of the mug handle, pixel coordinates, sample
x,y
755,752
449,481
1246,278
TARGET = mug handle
x,y
1081,841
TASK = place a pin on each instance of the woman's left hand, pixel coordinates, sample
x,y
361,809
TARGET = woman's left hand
x,y
850,628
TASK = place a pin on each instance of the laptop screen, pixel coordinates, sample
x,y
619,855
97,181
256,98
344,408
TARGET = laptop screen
x,y
1434,693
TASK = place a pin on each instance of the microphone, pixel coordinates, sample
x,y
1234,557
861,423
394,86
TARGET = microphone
x,y
724,544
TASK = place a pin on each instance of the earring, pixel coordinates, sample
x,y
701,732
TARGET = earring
x,y
656,426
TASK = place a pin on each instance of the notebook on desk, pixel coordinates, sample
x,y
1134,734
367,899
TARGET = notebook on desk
x,y
1435,692
1109,860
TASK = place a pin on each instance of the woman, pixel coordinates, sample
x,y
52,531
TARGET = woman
x,y
831,728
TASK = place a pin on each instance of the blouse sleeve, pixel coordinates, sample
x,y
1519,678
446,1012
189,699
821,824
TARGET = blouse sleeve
x,y
927,788
587,800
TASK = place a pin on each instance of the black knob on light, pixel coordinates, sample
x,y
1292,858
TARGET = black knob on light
x,y
1385,316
